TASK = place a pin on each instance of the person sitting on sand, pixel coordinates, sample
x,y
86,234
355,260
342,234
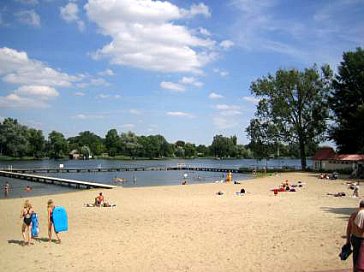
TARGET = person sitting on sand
x,y
99,200
26,214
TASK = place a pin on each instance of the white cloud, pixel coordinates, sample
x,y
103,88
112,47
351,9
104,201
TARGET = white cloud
x,y
29,97
69,13
204,31
41,92
251,99
167,85
79,94
226,44
224,107
222,73
215,96
16,101
28,2
135,112
191,81
17,68
200,9
89,81
181,85
28,17
179,114
105,96
82,116
145,34
107,72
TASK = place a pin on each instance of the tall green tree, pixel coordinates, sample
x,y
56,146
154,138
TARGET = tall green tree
x,y
57,145
129,143
13,139
190,150
347,103
293,107
224,146
36,142
112,142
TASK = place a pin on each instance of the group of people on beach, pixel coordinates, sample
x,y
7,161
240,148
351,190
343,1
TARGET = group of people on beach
x,y
26,214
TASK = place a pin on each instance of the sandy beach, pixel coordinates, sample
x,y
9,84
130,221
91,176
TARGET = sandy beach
x,y
188,228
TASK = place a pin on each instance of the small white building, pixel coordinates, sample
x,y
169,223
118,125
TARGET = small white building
x,y
327,159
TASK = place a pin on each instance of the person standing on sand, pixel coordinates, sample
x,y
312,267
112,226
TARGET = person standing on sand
x,y
355,232
50,207
26,214
6,189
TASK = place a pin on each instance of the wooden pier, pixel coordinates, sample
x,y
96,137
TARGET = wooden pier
x,y
53,180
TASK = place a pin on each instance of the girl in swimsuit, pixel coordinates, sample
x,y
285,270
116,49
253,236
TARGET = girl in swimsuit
x,y
26,214
50,207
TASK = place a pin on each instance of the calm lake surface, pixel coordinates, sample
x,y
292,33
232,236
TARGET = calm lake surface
x,y
134,178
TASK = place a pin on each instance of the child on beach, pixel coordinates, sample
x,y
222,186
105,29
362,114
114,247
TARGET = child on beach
x,y
26,214
50,207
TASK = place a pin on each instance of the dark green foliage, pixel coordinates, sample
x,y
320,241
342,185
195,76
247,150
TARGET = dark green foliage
x,y
18,141
57,145
224,147
87,140
347,103
293,108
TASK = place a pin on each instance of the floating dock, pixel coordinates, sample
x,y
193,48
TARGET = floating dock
x,y
52,180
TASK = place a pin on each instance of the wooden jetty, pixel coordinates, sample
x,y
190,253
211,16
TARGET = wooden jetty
x,y
53,180
126,169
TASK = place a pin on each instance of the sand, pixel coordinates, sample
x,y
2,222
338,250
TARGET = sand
x,y
188,228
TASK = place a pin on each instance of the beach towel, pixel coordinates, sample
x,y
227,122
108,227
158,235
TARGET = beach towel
x,y
35,225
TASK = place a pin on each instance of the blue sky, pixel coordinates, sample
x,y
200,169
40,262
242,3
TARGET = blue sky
x,y
178,68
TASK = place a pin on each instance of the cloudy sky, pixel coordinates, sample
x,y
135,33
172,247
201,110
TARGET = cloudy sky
x,y
179,68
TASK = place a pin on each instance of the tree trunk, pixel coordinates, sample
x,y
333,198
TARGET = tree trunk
x,y
302,153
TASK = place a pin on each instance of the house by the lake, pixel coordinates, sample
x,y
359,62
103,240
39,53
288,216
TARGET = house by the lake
x,y
74,155
327,159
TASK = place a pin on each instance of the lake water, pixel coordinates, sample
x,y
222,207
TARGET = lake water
x,y
134,178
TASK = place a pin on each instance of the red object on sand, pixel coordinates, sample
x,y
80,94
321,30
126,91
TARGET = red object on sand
x,y
275,191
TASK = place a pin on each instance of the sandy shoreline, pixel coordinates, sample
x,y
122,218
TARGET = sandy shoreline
x,y
188,228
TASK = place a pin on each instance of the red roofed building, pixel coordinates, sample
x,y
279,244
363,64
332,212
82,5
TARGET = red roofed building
x,y
327,159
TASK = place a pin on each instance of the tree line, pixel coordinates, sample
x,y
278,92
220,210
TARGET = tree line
x,y
19,141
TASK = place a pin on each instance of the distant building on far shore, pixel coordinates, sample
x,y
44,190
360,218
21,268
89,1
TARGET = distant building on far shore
x,y
327,159
74,155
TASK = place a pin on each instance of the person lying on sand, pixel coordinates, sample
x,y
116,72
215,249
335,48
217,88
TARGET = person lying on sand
x,y
106,204
339,194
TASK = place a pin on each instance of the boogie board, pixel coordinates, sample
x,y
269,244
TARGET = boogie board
x,y
60,220
35,225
